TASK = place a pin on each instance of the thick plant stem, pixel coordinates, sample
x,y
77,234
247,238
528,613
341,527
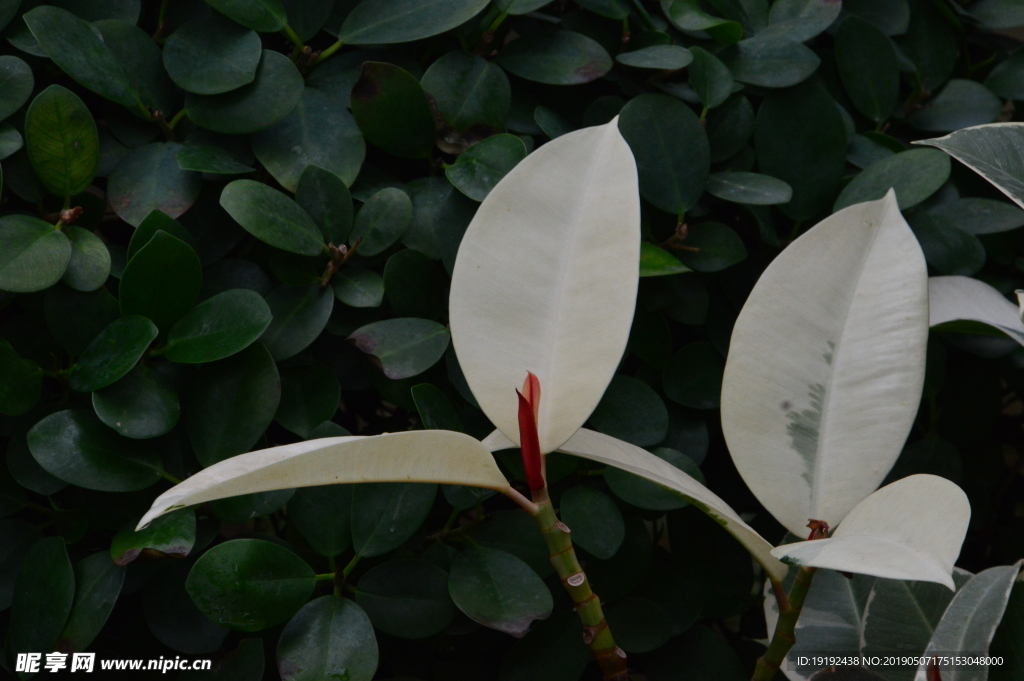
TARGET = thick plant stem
x,y
784,636
596,633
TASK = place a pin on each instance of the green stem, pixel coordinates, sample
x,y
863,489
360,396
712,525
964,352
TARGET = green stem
x,y
498,21
324,578
704,113
596,633
351,565
327,52
290,33
784,636
645,18
167,476
177,118
332,565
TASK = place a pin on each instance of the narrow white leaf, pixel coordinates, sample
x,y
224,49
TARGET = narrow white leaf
x,y
545,281
605,449
995,151
826,365
440,456
910,529
954,299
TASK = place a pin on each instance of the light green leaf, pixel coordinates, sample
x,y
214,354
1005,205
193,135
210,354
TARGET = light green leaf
x,y
657,262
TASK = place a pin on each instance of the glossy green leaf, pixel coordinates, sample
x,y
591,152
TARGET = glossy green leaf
x,y
21,382
693,377
990,151
749,188
416,286
381,221
392,110
468,90
323,516
129,44
479,168
670,57
265,16
1005,79
249,584
770,61
139,405
657,262
74,446
10,142
385,515
33,254
866,60
16,538
232,402
946,247
981,216
316,132
596,522
632,411
718,247
800,139
671,150
210,54
207,158
173,534
709,78
113,353
802,20
498,590
648,495
407,598
688,15
218,327
148,179
267,100
77,49
43,596
324,196
555,58
150,225
309,396
998,13
358,288
272,217
400,21
299,315
162,281
404,347
961,104
90,261
98,583
914,175
16,84
330,637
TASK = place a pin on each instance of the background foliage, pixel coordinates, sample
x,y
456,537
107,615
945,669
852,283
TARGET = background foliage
x,y
262,256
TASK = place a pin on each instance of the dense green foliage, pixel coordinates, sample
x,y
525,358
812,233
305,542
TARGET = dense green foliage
x,y
222,230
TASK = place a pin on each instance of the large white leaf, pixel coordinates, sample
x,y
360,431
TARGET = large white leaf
x,y
910,529
545,281
415,456
605,449
964,299
971,620
994,151
826,365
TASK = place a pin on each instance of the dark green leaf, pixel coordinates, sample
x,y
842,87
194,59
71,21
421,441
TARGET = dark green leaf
x,y
640,626
468,90
113,353
129,44
516,532
97,585
729,127
272,217
323,516
16,538
265,16
324,196
404,347
914,175
441,214
671,150
316,132
242,664
10,142
749,188
946,247
231,402
416,286
149,178
688,15
961,104
33,254
556,58
670,57
693,377
267,100
1007,78
596,522
21,382
392,110
76,48
16,84
998,13
90,261
385,515
407,598
309,396
249,584
700,653
402,21
329,638
648,495
210,159
769,61
307,17
980,216
381,221
435,411
218,327
26,472
930,43
631,410
162,281
173,618
801,20
153,223
479,168
613,9
709,78
173,534
358,288
552,650
299,315
211,54
43,594
75,318
550,123
866,60
498,590
800,139
75,447
140,405
718,247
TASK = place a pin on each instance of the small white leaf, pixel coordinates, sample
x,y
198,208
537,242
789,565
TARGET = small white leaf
x,y
826,365
964,299
910,529
440,456
612,452
545,281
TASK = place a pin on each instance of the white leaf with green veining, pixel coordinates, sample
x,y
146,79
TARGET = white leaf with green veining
x,y
826,365
995,151
953,299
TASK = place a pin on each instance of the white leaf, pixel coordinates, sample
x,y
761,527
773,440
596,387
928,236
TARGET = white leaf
x,y
612,452
545,281
970,621
910,529
440,456
826,365
995,151
964,299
